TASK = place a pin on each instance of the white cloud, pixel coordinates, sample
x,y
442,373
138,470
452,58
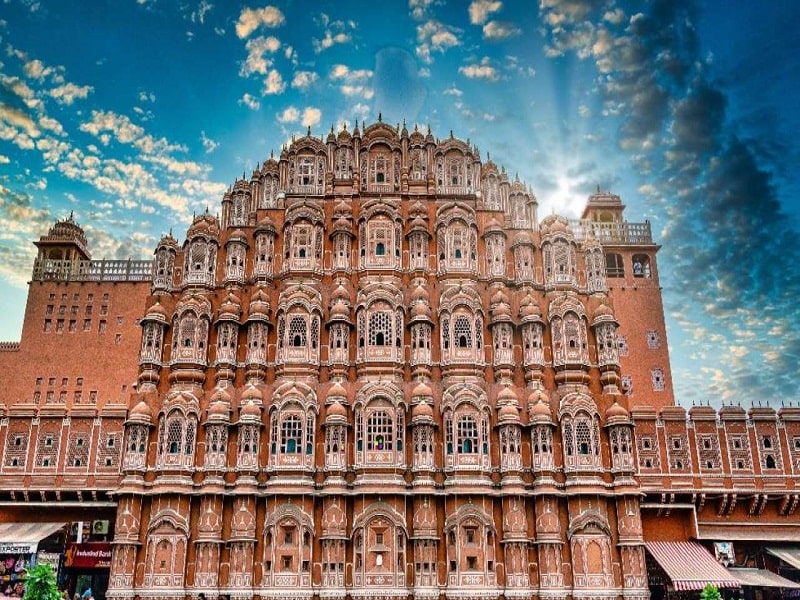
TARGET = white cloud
x,y
419,8
21,90
500,30
453,91
303,79
67,93
479,10
289,115
353,83
256,61
4,160
208,144
250,102
251,19
433,35
311,117
147,96
484,70
274,83
35,69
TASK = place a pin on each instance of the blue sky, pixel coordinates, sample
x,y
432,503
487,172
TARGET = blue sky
x,y
136,113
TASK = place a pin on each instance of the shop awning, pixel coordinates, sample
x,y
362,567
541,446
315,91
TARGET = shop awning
x,y
24,538
690,566
762,578
789,554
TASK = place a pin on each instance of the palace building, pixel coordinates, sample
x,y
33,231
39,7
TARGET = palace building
x,y
377,373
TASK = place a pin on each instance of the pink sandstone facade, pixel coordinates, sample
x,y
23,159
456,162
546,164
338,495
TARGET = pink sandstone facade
x,y
377,374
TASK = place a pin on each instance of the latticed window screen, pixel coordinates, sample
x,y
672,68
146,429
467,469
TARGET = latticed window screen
x,y
301,235
467,435
708,452
47,449
678,452
314,332
297,332
291,435
380,431
445,327
380,329
78,449
309,434
462,332
174,437
583,438
109,447
739,452
16,452
458,242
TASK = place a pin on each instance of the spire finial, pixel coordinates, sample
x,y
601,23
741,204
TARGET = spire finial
x,y
308,132
380,117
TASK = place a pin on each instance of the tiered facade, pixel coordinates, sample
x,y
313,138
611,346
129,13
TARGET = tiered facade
x,y
376,375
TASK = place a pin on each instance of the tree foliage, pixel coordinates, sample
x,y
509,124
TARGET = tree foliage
x,y
40,584
710,592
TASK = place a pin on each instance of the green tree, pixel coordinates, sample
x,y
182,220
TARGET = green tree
x,y
40,584
710,592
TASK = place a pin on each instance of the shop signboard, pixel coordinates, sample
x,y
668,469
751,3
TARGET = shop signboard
x,y
88,555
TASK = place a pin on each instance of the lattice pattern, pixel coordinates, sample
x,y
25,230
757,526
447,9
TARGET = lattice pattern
x,y
523,262
78,445
769,451
532,346
607,353
135,446
595,270
647,449
16,450
292,434
708,452
47,445
227,334
248,447
542,446
265,249
653,339
496,255
739,452
234,266
678,453
510,447
216,446
152,334
657,377
380,430
423,447
256,343
467,435
491,194
559,264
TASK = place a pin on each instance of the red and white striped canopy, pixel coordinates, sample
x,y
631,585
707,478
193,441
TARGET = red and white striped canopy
x,y
690,566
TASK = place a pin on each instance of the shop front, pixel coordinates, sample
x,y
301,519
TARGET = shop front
x,y
87,566
21,545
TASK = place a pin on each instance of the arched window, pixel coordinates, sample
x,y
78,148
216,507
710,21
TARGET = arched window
x,y
462,332
297,332
291,435
467,435
380,431
176,440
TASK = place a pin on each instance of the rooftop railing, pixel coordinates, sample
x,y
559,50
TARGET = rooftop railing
x,y
612,233
92,270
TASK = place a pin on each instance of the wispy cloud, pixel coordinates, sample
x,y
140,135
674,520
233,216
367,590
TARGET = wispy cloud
x,y
479,10
335,32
